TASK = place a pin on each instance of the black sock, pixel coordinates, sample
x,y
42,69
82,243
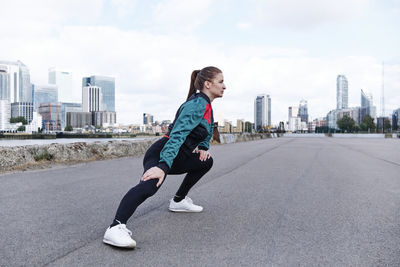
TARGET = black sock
x,y
178,198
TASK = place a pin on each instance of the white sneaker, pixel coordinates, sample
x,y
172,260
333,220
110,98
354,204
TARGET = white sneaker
x,y
186,205
119,236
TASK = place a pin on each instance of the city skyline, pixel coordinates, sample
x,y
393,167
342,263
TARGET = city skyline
x,y
280,48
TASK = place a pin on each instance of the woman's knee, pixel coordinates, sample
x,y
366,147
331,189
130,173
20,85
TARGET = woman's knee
x,y
149,187
209,163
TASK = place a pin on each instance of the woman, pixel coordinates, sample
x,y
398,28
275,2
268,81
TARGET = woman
x,y
184,149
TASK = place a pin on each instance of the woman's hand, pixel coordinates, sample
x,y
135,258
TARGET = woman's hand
x,y
204,155
154,173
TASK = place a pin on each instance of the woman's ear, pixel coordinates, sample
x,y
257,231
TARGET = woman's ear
x,y
207,84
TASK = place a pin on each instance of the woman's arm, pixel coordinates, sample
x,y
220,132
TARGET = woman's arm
x,y
190,116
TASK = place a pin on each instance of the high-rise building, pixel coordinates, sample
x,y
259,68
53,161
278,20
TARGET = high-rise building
x,y
63,80
20,89
5,114
69,107
44,94
92,99
102,118
303,111
107,85
79,119
262,112
293,111
148,119
4,83
51,116
367,107
342,92
22,109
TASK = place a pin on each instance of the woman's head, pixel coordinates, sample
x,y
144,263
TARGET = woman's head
x,y
209,80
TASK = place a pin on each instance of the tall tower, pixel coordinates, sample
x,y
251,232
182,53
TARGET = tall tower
x,y
20,89
383,91
63,80
342,92
262,112
92,99
107,85
303,111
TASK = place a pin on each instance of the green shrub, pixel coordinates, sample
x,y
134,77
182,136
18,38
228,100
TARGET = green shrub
x,y
44,155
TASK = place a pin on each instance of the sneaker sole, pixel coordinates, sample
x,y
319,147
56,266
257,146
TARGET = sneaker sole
x,y
189,211
108,242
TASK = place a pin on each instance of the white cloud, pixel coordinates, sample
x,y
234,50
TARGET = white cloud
x,y
152,70
305,14
123,7
181,16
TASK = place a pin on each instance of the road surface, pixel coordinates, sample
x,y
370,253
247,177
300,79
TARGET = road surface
x,y
273,202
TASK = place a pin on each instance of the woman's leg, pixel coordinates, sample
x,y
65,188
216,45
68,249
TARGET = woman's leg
x,y
143,190
195,169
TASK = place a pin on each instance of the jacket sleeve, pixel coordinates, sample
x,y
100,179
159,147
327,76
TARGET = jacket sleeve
x,y
189,117
205,144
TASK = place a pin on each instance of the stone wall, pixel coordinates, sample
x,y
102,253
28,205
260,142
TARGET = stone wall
x,y
39,156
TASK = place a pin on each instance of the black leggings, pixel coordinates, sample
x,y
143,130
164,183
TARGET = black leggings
x,y
185,162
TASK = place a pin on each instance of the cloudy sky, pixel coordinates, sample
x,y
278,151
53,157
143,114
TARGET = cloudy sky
x,y
289,49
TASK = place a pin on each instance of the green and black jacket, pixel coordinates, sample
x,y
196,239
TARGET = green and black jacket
x,y
192,127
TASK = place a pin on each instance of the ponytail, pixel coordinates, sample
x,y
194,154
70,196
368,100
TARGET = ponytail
x,y
192,88
199,77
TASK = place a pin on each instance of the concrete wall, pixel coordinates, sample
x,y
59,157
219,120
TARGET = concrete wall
x,y
39,156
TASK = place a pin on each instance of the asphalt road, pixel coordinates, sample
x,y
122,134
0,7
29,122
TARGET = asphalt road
x,y
273,202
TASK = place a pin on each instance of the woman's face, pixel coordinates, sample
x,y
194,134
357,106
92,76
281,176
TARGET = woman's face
x,y
216,86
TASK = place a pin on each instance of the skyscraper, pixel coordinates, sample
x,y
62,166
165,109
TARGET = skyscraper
x,y
342,92
4,83
303,111
5,107
293,111
44,94
20,89
63,80
262,112
91,99
5,114
69,107
367,107
107,85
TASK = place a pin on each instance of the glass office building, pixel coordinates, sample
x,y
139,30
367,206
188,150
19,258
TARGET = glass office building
x,y
63,80
342,92
44,94
107,85
69,107
303,111
20,89
262,112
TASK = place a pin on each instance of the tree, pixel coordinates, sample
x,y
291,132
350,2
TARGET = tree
x,y
19,119
21,128
346,124
367,124
248,126
68,128
387,125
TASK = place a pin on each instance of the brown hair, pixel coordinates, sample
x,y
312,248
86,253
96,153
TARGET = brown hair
x,y
199,77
